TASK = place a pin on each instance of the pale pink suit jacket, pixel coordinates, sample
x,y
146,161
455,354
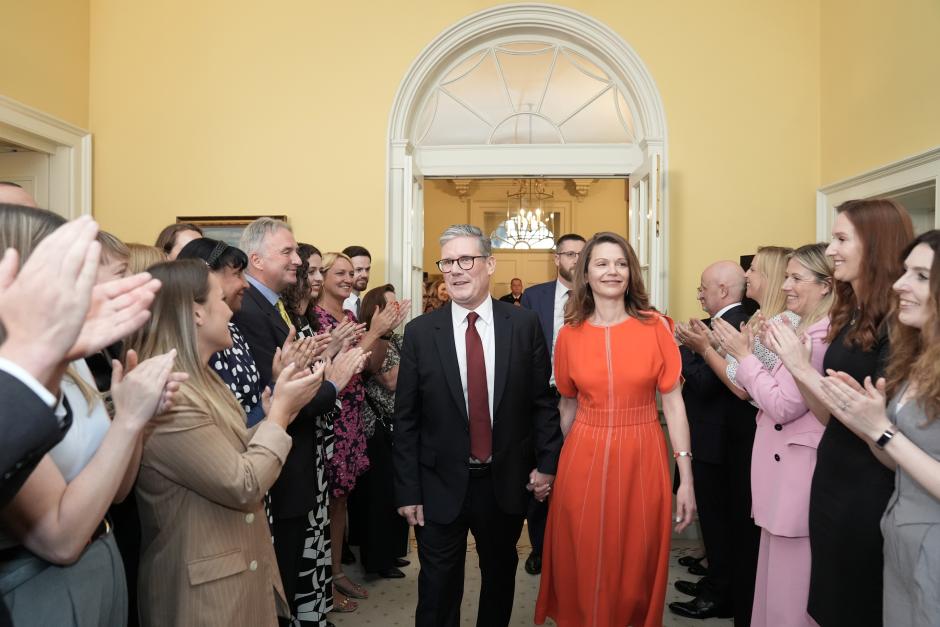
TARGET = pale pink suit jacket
x,y
784,454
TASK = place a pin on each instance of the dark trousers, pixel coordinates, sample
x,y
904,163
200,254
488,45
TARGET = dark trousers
x,y
723,498
383,534
442,550
289,536
536,518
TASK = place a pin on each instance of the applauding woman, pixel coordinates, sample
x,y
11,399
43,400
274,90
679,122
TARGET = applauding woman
x,y
906,437
784,454
206,547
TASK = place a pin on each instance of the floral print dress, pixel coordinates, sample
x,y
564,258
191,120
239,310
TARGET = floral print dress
x,y
350,458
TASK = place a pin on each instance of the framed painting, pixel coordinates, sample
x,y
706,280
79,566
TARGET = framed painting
x,y
226,228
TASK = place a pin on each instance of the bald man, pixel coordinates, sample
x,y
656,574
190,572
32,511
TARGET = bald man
x,y
722,428
13,194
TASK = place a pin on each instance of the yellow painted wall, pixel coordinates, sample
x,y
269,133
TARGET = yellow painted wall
x,y
880,100
242,107
44,56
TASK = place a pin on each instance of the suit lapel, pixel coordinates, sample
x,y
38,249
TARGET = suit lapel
x,y
502,329
269,310
444,338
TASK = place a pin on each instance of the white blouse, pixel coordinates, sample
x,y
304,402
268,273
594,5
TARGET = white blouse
x,y
89,425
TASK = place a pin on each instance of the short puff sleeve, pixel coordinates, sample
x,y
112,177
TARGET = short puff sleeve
x,y
563,381
671,368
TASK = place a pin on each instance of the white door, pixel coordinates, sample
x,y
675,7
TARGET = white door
x,y
644,223
29,170
414,206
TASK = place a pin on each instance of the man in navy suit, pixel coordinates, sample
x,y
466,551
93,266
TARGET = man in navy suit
x,y
548,301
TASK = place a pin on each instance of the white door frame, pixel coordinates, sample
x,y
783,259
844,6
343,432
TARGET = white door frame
x,y
68,147
518,20
922,168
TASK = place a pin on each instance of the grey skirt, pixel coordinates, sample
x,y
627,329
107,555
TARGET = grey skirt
x,y
92,592
911,573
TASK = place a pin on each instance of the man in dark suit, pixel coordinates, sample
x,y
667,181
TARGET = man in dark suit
x,y
263,320
722,428
475,427
514,297
548,301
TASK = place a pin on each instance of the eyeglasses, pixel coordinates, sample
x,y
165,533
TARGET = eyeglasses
x,y
466,262
571,255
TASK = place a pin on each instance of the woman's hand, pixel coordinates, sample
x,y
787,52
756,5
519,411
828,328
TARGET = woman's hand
x,y
793,351
385,320
345,330
685,506
736,343
860,409
300,352
141,390
294,389
346,365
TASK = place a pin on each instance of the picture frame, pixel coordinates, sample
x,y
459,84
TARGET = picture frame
x,y
225,228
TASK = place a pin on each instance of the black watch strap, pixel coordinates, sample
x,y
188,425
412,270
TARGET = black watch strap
x,y
885,438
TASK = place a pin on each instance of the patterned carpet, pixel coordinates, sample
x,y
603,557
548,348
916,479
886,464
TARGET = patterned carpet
x,y
391,602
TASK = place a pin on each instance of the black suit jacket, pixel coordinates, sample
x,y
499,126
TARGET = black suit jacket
x,y
293,493
713,410
431,434
28,429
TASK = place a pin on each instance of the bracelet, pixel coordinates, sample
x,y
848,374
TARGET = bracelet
x,y
678,454
885,438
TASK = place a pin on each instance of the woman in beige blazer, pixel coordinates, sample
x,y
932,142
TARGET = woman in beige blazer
x,y
206,551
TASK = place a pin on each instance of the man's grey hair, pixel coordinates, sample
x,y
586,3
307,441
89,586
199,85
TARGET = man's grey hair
x,y
467,230
252,240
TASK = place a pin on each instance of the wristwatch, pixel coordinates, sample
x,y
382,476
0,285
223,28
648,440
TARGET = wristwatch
x,y
885,438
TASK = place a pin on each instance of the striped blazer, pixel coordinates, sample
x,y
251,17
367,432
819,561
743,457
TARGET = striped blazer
x,y
206,551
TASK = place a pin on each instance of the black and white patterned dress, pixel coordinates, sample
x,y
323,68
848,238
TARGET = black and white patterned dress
x,y
314,595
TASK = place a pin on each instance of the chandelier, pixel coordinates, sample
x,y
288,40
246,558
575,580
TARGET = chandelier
x,y
527,226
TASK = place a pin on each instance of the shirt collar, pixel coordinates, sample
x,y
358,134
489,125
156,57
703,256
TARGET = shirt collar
x,y
270,295
459,314
559,290
724,309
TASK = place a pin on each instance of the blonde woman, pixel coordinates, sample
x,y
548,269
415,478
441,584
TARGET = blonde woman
x,y
143,256
207,556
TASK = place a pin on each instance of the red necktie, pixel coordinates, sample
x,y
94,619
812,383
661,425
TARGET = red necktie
x,y
478,398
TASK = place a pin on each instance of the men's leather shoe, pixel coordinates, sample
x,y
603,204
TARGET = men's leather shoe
x,y
401,562
390,573
698,570
690,588
688,560
533,565
700,607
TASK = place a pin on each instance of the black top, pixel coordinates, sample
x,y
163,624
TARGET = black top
x,y
849,494
512,299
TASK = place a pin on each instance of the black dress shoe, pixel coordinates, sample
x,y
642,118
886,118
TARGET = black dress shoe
x,y
390,573
348,556
700,607
690,588
401,562
698,570
688,560
533,565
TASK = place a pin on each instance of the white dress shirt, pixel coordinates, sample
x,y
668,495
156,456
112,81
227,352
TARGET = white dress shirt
x,y
487,337
722,311
352,303
561,299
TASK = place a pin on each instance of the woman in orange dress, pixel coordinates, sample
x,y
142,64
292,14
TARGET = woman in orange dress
x,y
607,539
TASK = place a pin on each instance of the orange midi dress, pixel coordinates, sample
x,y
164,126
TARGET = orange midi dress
x,y
605,559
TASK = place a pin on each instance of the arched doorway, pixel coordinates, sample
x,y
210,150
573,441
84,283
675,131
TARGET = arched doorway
x,y
488,141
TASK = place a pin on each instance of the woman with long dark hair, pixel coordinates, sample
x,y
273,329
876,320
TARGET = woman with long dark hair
x,y
850,488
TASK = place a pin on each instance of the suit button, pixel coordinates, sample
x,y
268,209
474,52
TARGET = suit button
x,y
249,518
776,457
253,565
778,427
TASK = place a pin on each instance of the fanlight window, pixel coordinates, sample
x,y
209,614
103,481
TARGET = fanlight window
x,y
525,93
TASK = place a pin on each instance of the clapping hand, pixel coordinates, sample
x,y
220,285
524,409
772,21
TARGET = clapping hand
x,y
734,342
794,352
300,352
695,335
385,320
347,330
141,391
861,409
294,389
346,365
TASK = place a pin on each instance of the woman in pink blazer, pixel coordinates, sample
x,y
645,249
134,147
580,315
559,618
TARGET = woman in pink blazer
x,y
784,454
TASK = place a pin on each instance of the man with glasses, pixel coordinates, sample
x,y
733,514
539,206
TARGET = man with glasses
x,y
548,301
476,428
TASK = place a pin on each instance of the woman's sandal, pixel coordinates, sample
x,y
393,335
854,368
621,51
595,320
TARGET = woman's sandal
x,y
345,606
351,588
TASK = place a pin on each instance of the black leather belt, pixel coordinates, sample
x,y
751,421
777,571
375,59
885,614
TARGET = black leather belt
x,y
479,470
